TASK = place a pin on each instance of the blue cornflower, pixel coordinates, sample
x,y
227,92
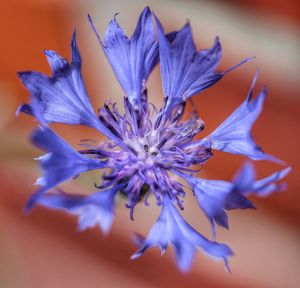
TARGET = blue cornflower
x,y
148,149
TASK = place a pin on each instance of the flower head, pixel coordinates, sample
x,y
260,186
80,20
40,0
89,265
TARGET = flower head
x,y
147,149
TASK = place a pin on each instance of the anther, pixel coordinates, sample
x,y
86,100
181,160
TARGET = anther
x,y
146,147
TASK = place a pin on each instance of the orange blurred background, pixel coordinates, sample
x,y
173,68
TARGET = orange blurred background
x,y
44,249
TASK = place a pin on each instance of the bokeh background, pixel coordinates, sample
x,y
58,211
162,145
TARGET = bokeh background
x,y
44,249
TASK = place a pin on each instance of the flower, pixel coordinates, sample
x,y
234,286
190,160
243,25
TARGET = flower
x,y
147,148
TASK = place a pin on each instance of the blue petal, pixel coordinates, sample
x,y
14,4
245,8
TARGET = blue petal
x,y
264,187
236,200
172,228
57,63
131,59
244,181
62,97
244,178
61,162
93,210
212,196
234,136
184,71
216,196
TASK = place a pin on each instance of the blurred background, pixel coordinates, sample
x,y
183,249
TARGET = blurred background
x,y
43,249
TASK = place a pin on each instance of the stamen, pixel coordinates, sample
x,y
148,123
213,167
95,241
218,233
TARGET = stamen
x,y
110,127
110,113
163,142
146,147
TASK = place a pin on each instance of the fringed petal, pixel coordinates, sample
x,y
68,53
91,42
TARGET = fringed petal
x,y
216,196
60,163
184,71
234,135
172,228
131,59
93,210
62,98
